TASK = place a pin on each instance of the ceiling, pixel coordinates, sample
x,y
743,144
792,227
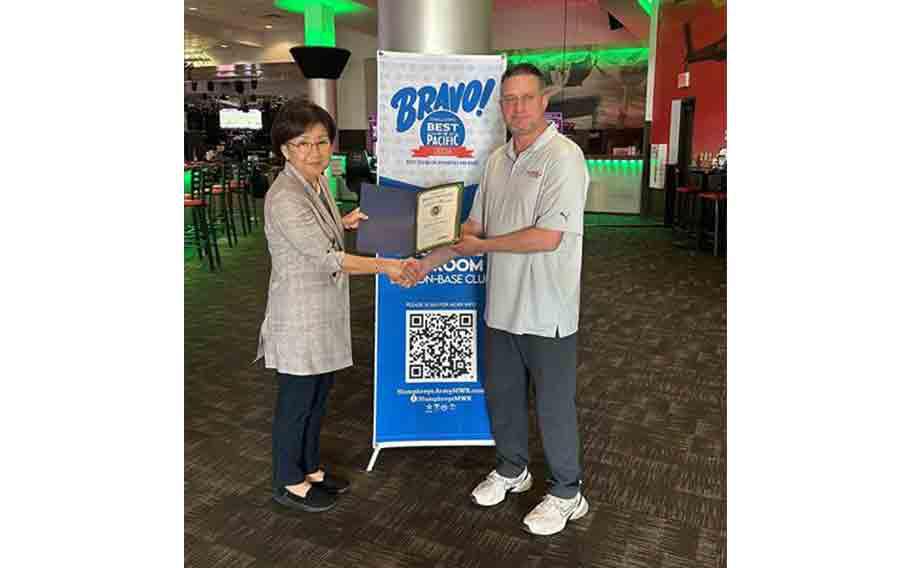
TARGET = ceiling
x,y
254,15
209,24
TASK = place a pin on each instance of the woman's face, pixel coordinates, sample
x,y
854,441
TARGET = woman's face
x,y
310,152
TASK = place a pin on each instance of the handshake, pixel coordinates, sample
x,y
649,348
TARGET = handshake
x,y
409,272
406,273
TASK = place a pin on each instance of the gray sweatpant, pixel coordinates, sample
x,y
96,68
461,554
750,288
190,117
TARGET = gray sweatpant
x,y
511,360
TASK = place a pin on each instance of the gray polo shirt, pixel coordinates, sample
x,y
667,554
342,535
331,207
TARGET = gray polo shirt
x,y
545,187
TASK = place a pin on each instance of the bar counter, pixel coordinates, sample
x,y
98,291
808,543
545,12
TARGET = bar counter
x,y
615,185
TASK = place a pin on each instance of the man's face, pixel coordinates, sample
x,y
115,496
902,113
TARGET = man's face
x,y
523,104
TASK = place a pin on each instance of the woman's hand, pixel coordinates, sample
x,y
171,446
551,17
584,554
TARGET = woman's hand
x,y
352,220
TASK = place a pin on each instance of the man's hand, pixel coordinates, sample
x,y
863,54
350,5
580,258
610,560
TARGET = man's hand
x,y
352,220
469,245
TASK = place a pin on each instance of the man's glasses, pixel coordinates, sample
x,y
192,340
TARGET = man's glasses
x,y
512,101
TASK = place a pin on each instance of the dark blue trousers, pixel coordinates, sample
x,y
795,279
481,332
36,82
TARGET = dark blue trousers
x,y
513,363
296,426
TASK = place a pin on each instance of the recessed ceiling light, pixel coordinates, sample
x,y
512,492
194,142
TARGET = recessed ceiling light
x,y
193,9
268,26
224,45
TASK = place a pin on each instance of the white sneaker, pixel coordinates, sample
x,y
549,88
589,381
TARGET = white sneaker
x,y
492,490
550,516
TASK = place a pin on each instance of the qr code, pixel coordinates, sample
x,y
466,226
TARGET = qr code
x,y
441,346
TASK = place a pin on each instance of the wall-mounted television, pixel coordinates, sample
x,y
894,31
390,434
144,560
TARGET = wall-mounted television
x,y
234,118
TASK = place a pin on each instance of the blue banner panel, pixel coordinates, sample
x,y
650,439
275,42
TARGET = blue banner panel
x,y
429,357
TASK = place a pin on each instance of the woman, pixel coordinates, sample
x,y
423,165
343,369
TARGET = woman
x,y
306,333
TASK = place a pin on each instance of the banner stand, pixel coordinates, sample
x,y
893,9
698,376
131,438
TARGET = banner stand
x,y
438,120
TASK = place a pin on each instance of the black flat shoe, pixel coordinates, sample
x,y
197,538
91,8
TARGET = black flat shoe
x,y
332,485
316,500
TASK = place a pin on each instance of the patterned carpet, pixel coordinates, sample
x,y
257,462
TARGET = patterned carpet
x,y
652,412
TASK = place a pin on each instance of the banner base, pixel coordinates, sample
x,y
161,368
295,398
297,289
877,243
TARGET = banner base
x,y
373,458
425,443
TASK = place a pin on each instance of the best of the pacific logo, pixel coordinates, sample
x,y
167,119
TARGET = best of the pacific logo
x,y
442,132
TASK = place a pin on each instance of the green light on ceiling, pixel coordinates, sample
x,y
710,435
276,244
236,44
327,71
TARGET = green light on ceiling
x,y
319,26
551,58
646,6
337,6
319,17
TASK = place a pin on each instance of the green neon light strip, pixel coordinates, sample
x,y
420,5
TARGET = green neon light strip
x,y
337,6
614,164
646,6
600,57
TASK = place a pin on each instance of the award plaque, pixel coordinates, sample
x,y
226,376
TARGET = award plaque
x,y
438,218
405,222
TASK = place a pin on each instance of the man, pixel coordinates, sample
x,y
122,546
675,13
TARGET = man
x,y
528,218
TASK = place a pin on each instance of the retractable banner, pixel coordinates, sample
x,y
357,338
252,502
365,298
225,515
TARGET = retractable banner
x,y
438,121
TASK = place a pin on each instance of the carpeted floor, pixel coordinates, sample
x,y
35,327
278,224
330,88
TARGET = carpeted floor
x,y
652,412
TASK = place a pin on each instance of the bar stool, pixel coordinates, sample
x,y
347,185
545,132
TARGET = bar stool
x,y
250,176
719,199
205,237
684,218
235,188
220,206
220,209
246,185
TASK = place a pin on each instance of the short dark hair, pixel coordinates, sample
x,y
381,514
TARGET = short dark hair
x,y
524,69
296,117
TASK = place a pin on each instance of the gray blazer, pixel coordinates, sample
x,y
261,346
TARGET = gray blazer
x,y
307,324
